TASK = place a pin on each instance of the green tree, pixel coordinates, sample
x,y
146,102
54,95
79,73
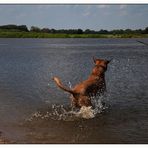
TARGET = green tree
x,y
45,30
53,31
35,29
103,31
146,30
23,28
79,31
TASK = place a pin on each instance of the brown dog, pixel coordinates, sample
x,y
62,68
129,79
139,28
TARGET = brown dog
x,y
95,85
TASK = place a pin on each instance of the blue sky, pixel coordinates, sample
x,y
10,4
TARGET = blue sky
x,y
94,17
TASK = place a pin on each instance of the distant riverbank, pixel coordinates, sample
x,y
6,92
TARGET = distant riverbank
x,y
11,34
22,31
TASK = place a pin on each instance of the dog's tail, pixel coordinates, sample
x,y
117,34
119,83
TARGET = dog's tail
x,y
60,85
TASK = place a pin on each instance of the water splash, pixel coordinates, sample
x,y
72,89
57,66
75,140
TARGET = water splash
x,y
70,85
86,112
60,112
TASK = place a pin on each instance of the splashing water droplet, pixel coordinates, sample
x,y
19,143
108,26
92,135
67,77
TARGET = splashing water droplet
x,y
70,85
59,112
86,112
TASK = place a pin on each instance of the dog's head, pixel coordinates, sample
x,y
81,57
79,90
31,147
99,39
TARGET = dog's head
x,y
101,62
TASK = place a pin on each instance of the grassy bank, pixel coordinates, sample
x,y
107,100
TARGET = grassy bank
x,y
17,34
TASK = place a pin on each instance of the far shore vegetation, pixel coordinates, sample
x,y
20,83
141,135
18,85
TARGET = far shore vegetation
x,y
21,31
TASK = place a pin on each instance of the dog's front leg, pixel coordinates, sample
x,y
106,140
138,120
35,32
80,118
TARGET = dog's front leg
x,y
73,101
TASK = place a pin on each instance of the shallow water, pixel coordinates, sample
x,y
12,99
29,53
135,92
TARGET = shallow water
x,y
29,99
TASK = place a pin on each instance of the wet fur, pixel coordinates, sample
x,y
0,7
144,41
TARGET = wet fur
x,y
94,85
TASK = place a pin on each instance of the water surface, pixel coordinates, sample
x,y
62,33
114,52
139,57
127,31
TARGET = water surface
x,y
26,90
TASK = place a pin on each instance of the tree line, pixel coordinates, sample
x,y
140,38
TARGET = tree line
x,y
24,28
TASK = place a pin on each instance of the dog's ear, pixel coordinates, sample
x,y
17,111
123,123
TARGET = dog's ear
x,y
108,61
94,59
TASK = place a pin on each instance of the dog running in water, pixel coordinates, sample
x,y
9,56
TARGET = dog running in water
x,y
95,85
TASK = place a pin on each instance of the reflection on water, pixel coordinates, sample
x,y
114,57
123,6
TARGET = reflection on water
x,y
28,95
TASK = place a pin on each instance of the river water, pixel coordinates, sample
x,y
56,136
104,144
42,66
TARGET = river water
x,y
34,110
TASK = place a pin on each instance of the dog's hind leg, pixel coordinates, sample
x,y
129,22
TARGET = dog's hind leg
x,y
84,101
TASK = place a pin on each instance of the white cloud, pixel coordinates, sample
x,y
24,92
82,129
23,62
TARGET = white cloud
x,y
124,13
102,6
87,10
122,6
86,13
123,10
